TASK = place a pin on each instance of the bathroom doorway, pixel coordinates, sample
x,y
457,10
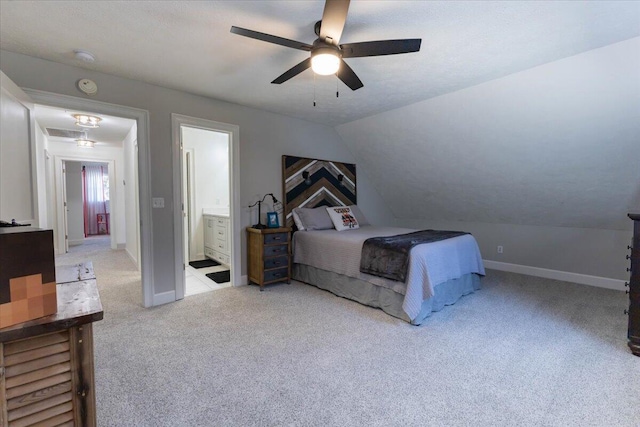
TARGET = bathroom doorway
x,y
209,243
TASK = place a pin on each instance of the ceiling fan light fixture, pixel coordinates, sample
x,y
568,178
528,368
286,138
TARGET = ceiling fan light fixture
x,y
325,61
87,121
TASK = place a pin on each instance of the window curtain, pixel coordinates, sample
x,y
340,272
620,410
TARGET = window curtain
x,y
95,202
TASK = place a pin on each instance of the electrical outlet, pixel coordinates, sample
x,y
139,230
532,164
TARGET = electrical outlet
x,y
500,249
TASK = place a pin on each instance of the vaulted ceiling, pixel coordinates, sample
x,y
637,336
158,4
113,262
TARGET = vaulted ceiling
x,y
512,112
187,45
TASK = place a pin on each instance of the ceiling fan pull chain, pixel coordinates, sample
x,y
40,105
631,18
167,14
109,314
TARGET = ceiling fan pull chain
x,y
337,93
314,89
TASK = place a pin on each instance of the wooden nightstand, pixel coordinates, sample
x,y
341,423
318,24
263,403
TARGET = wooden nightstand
x,y
269,255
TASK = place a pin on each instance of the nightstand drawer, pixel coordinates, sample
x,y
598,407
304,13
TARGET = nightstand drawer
x,y
281,273
275,238
280,261
276,250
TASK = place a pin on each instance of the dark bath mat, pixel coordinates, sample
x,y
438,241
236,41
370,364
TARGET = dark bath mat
x,y
220,276
204,263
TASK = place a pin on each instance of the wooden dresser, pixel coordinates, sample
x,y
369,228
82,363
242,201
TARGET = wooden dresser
x,y
46,364
634,288
269,255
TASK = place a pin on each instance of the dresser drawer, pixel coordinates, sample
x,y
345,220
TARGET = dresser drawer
x,y
220,245
276,250
279,274
208,252
280,261
275,238
220,232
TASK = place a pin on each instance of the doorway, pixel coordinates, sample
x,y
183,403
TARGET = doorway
x,y
141,166
207,218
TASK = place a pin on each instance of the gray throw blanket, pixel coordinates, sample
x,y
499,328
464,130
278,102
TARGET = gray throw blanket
x,y
389,256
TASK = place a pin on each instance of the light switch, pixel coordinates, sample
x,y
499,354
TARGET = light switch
x,y
158,202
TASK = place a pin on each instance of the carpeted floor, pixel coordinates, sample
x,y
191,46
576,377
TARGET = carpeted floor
x,y
521,351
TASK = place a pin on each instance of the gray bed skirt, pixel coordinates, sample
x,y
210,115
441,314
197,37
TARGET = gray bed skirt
x,y
390,302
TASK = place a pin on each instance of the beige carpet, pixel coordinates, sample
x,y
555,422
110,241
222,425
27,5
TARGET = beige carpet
x,y
521,351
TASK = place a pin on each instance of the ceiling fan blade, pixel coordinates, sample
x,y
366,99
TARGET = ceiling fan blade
x,y
333,20
378,48
271,39
292,72
348,77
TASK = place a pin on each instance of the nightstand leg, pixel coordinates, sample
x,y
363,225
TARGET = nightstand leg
x,y
261,289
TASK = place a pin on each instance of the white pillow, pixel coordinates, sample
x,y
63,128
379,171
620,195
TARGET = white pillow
x,y
343,218
297,220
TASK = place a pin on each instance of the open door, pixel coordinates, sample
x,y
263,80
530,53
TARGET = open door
x,y
18,190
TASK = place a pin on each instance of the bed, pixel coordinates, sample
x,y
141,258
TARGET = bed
x,y
438,274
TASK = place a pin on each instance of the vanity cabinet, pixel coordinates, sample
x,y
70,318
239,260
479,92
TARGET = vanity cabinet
x,y
634,288
216,238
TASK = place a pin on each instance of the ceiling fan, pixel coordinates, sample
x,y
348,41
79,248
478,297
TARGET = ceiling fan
x,y
327,55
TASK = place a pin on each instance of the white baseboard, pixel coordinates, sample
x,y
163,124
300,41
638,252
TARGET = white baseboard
x,y
121,246
131,257
565,276
76,242
244,281
164,298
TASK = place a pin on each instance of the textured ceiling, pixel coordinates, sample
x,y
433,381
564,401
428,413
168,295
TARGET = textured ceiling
x,y
187,45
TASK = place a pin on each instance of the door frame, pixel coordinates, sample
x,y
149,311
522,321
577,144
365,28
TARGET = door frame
x,y
144,171
187,159
61,183
233,131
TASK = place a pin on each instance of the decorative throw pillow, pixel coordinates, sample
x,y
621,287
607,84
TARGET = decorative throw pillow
x,y
362,220
343,218
297,220
314,219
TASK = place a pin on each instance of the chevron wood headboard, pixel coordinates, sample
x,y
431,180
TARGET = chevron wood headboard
x,y
328,184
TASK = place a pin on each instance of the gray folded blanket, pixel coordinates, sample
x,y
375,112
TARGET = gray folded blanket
x,y
388,257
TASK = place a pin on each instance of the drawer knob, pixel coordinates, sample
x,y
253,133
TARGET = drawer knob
x,y
626,311
628,269
628,257
626,292
626,284
629,247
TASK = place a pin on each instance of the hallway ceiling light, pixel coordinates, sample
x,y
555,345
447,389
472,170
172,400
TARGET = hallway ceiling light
x,y
87,121
85,143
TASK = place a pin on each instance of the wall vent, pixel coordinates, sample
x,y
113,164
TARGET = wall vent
x,y
64,133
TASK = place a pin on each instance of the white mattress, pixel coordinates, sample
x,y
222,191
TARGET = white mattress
x,y
429,264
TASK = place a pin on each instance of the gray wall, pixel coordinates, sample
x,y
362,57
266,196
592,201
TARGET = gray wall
x,y
264,138
75,215
545,162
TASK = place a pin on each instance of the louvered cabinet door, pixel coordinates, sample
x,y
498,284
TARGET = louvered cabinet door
x,y
47,380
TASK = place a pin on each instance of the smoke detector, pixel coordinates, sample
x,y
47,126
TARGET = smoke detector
x,y
87,86
84,56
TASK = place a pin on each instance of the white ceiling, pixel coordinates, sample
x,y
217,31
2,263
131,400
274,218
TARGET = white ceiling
x,y
111,132
187,45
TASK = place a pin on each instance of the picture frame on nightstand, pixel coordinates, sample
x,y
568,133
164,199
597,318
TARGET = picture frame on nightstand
x,y
272,220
